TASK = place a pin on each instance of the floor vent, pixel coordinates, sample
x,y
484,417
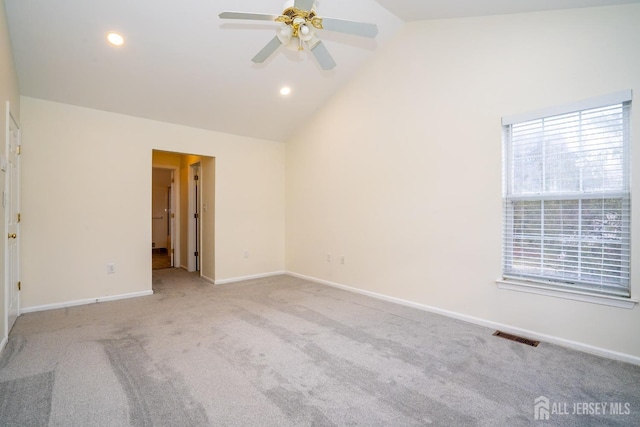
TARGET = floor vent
x,y
516,338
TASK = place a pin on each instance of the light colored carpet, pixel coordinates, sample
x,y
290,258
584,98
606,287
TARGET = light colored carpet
x,y
286,352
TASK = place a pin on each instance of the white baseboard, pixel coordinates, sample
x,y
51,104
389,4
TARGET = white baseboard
x,y
3,343
256,276
208,279
85,302
483,322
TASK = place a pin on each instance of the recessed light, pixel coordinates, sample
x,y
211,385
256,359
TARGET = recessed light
x,y
285,91
115,39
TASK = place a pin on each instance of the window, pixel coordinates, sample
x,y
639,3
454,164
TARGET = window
x,y
567,197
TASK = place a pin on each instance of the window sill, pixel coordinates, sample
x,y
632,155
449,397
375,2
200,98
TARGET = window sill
x,y
540,289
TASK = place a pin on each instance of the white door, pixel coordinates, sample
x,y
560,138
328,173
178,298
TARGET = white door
x,y
12,218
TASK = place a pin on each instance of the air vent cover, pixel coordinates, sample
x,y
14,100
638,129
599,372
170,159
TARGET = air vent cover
x,y
516,338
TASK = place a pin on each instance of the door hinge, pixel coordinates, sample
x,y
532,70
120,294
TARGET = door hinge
x,y
173,215
19,217
196,177
18,149
196,216
196,254
19,286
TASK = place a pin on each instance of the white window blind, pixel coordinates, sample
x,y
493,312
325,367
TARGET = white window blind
x,y
567,199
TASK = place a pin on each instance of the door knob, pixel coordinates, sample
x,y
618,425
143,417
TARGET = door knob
x,y
13,235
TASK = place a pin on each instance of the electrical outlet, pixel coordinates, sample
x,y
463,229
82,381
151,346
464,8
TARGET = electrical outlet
x,y
342,259
328,257
246,254
111,268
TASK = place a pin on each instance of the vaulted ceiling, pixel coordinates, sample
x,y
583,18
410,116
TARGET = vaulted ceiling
x,y
182,64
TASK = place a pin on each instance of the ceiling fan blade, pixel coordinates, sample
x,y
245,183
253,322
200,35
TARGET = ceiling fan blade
x,y
267,51
304,4
323,56
251,16
362,29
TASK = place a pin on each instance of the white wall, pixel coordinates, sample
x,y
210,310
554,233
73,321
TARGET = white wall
x,y
87,201
401,171
8,92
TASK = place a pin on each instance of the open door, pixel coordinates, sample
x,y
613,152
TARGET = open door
x,y
12,221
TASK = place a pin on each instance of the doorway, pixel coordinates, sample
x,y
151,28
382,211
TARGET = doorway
x,y
162,218
193,214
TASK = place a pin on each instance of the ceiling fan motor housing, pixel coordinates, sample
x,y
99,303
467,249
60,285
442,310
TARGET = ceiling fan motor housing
x,y
290,4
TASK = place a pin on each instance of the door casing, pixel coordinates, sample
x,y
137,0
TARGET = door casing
x,y
194,237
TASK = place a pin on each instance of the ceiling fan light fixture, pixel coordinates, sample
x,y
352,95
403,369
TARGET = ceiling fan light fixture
x,y
305,33
285,32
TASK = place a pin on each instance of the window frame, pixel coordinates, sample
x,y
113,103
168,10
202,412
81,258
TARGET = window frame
x,y
546,285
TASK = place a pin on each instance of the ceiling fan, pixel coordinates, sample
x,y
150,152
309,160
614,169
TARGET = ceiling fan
x,y
300,23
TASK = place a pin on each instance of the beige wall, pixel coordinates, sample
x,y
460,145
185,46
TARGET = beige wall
x,y
87,201
8,92
401,171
